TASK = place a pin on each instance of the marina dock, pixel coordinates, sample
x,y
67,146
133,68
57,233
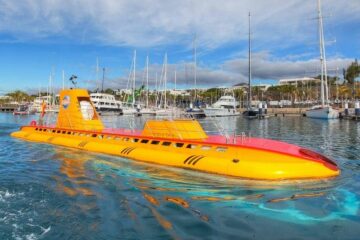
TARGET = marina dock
x,y
7,108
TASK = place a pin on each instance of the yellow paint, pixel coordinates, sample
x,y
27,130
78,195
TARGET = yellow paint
x,y
230,160
253,163
77,112
175,129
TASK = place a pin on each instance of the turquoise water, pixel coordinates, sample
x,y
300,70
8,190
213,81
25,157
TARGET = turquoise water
x,y
50,192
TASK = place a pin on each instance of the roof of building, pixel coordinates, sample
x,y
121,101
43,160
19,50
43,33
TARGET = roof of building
x,y
289,80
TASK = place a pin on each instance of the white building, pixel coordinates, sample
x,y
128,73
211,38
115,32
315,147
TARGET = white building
x,y
244,86
294,81
5,97
179,92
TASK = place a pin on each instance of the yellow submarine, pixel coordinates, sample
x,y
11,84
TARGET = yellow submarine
x,y
177,143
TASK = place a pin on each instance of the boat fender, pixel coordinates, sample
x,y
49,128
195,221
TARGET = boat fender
x,y
33,123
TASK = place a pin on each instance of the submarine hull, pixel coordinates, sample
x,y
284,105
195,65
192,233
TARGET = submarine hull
x,y
249,158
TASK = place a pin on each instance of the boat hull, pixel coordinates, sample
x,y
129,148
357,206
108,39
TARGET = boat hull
x,y
323,113
220,112
242,159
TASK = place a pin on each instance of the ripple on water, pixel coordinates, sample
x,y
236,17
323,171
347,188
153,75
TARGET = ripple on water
x,y
49,192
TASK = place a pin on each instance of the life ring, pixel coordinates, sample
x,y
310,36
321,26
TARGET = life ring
x,y
33,123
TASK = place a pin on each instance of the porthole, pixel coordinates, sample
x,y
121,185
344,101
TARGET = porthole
x,y
166,143
179,145
155,142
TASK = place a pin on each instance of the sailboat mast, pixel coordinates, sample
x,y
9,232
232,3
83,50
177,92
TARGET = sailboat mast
x,y
147,81
134,72
249,83
175,89
165,69
175,80
321,43
97,74
103,79
50,88
63,79
195,70
326,88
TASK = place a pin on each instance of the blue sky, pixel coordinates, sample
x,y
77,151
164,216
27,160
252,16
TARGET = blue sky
x,y
41,36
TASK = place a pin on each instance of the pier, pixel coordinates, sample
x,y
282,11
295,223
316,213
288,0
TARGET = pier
x,y
7,108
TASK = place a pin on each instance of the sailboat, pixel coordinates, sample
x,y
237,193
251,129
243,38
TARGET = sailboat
x,y
128,107
323,111
163,109
194,111
147,110
250,112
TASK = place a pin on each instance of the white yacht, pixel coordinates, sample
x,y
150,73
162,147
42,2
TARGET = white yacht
x,y
38,101
323,111
106,103
51,104
225,106
147,111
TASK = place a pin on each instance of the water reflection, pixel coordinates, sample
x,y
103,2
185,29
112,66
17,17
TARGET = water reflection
x,y
74,169
94,196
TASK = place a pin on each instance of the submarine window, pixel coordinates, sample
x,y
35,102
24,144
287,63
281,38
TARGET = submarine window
x,y
94,135
221,149
63,132
166,143
191,146
36,129
179,145
144,141
135,140
101,136
205,147
53,131
154,142
58,131
69,133
126,139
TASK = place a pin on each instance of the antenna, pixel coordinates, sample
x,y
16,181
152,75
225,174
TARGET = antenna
x,y
103,79
73,79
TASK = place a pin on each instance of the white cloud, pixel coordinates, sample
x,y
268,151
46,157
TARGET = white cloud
x,y
277,25
157,22
264,67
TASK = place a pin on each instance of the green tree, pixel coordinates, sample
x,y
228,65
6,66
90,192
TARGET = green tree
x,y
19,96
352,72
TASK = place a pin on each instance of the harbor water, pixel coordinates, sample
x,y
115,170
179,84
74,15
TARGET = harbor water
x,y
51,192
